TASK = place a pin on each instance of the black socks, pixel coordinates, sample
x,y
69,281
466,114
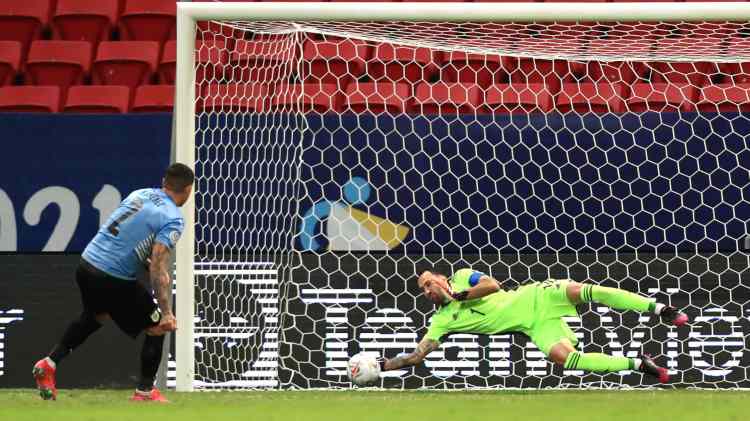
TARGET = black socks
x,y
150,359
76,333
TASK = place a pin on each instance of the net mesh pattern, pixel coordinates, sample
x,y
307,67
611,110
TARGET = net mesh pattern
x,y
335,160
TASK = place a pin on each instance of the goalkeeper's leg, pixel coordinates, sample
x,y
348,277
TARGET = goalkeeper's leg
x,y
555,338
620,299
565,354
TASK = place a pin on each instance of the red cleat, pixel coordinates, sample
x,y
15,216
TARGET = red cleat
x,y
153,396
672,315
649,367
663,375
680,320
44,374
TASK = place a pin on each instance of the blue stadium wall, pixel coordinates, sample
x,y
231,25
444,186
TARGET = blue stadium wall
x,y
60,175
536,196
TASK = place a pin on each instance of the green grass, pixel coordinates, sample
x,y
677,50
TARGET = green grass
x,y
112,405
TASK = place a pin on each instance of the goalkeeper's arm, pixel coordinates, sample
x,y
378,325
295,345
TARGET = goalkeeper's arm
x,y
415,358
485,286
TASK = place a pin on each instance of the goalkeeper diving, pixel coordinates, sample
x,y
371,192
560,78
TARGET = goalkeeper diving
x,y
472,302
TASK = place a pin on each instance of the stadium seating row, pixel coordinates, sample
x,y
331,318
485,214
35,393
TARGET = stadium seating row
x,y
86,99
437,98
65,63
453,98
87,20
92,20
133,63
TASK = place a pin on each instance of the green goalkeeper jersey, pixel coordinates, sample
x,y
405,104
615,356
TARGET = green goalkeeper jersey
x,y
503,311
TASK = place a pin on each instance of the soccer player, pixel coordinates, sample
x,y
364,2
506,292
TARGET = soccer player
x,y
472,302
143,230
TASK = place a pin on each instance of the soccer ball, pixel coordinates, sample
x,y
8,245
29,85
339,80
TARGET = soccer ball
x,y
363,369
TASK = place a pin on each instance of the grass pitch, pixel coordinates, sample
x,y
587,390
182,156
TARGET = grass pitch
x,y
113,405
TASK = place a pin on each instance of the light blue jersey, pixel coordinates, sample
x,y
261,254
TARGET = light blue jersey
x,y
124,242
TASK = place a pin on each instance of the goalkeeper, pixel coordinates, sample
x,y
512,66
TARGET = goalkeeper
x,y
472,302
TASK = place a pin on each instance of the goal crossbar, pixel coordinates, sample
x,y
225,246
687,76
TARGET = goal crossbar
x,y
468,12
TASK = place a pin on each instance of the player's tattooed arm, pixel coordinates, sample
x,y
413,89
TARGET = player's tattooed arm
x,y
415,358
159,273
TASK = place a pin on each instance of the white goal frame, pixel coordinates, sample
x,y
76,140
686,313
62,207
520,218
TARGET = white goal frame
x,y
188,13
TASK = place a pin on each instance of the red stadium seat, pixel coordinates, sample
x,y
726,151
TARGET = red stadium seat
x,y
696,73
60,63
263,61
38,99
10,61
120,7
148,20
126,63
84,20
592,97
726,97
642,31
738,72
721,30
153,99
548,72
238,97
311,96
446,98
401,64
378,97
23,20
483,70
662,97
537,71
97,99
168,64
211,58
617,71
335,61
517,98
212,30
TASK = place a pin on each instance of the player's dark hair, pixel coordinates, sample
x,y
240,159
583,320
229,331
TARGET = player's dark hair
x,y
178,177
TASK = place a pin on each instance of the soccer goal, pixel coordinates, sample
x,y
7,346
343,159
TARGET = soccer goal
x,y
341,147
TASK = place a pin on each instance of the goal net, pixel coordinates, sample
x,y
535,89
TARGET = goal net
x,y
335,160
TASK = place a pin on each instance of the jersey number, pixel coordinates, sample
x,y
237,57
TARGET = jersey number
x,y
114,227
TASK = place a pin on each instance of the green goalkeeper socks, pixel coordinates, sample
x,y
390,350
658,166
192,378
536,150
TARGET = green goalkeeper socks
x,y
616,298
598,363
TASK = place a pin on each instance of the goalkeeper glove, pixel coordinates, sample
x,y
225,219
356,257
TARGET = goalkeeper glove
x,y
381,363
460,296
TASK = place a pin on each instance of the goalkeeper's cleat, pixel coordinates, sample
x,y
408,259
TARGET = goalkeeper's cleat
x,y
671,315
44,375
649,367
153,396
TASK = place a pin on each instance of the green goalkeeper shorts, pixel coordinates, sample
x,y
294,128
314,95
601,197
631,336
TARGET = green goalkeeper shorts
x,y
551,304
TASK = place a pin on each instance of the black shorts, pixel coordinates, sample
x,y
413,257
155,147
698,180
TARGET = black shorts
x,y
128,303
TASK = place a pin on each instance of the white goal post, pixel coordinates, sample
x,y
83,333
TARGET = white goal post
x,y
190,13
